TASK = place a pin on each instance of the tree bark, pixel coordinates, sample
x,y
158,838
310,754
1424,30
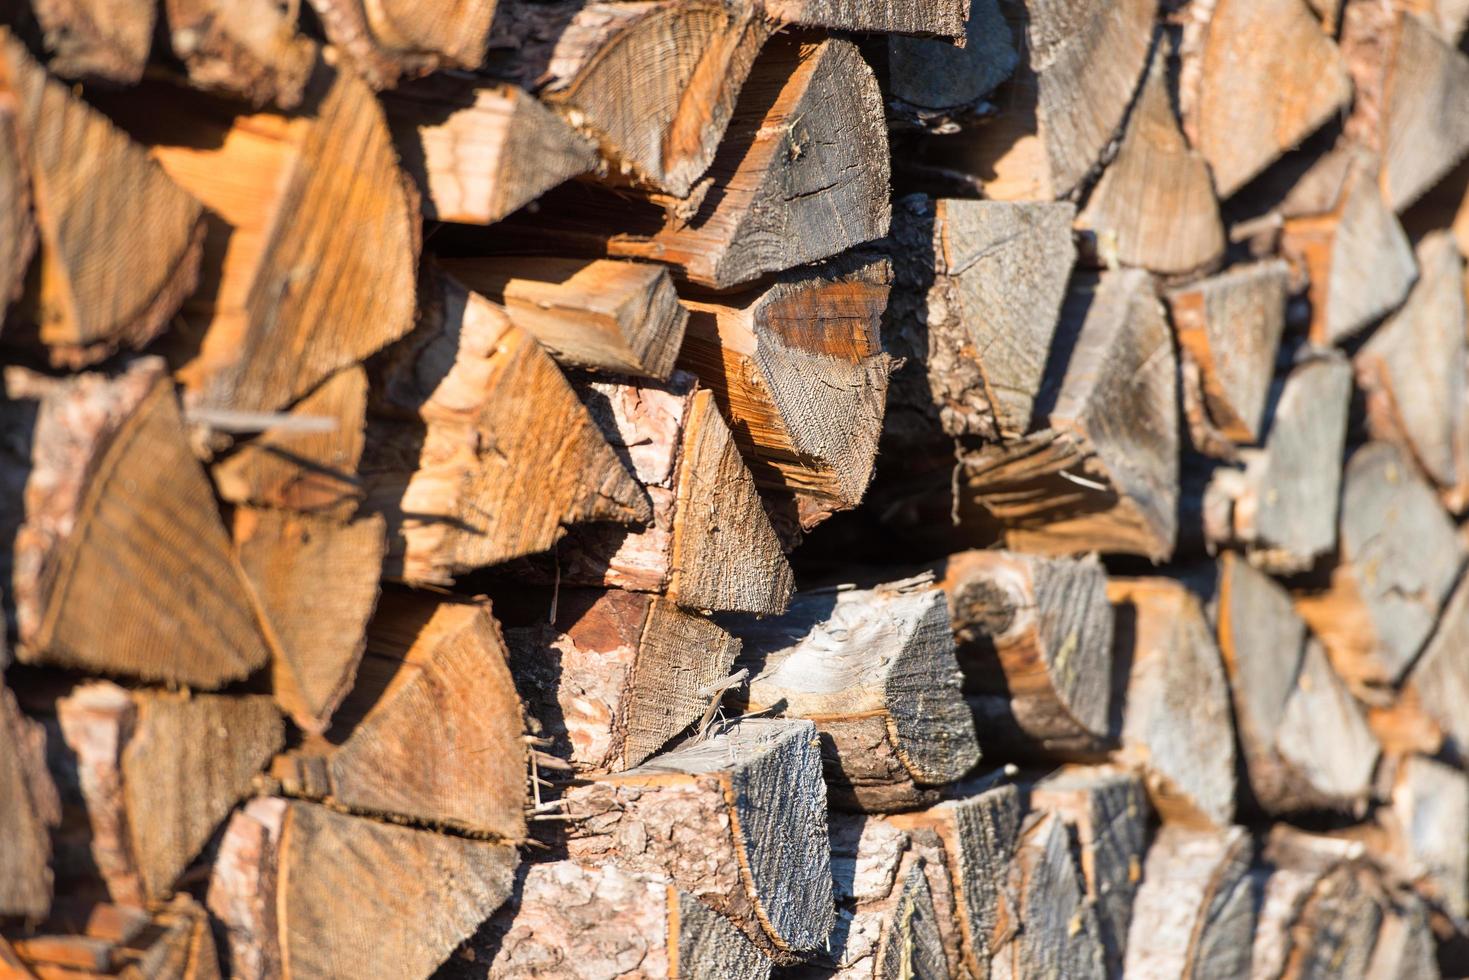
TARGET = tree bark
x,y
97,40
389,39
250,49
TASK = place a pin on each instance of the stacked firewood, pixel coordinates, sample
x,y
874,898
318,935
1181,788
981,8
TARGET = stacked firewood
x,y
734,488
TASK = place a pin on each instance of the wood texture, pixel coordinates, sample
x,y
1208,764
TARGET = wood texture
x,y
1112,418
875,670
1176,730
158,772
1154,206
117,941
283,868
1439,680
101,40
479,152
30,807
107,502
18,226
1058,927
432,732
936,79
945,18
473,411
244,48
745,819
388,39
618,675
1257,79
614,317
1034,642
1427,824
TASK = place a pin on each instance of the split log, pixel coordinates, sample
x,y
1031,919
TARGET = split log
x,y
802,175
1405,944
1415,371
980,287
1427,830
945,18
1305,744
874,669
743,818
1107,814
1049,139
616,317
1194,915
1113,419
591,62
1402,68
1176,730
308,462
155,774
1034,642
388,39
1398,560
585,924
618,675
1257,79
799,372
175,941
272,184
96,40
936,80
1356,256
284,867
432,731
1320,911
480,152
106,502
1439,681
1154,206
316,582
17,221
1230,327
120,243
29,808
1282,507
474,412
975,840
1059,935
710,545
250,49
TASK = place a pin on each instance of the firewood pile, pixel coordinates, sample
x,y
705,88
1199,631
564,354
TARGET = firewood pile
x,y
734,489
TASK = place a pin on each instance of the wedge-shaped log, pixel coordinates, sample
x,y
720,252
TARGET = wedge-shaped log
x,y
1282,506
18,226
799,371
308,462
1355,255
157,773
1104,475
1402,67
585,923
934,78
273,184
974,840
1427,830
388,39
1059,935
875,670
106,940
744,814
1230,326
1438,684
945,18
1415,370
245,48
316,582
601,315
433,730
710,545
479,152
1034,641
1304,742
590,62
1194,914
470,406
1154,206
802,175
1176,730
1398,560
618,675
1051,136
29,808
1257,79
119,242
106,502
979,291
283,867
1107,812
